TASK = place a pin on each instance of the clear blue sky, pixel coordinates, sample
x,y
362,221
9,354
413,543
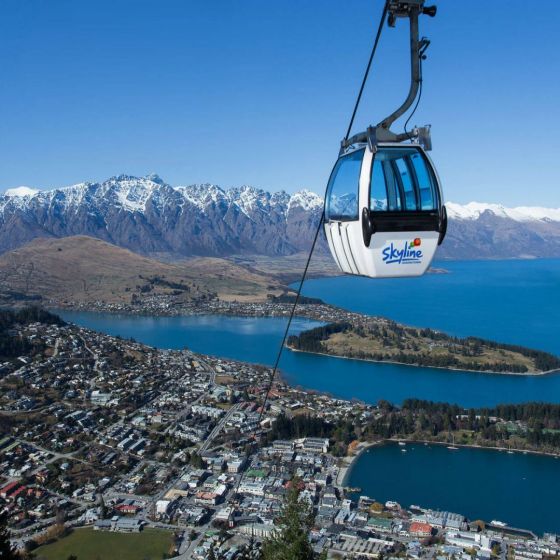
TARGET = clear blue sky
x,y
260,92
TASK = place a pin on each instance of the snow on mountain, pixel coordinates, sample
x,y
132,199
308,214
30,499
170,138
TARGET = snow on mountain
x,y
147,215
21,191
201,195
307,200
473,211
131,193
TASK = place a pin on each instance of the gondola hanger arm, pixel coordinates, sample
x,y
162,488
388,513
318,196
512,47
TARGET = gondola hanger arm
x,y
410,9
396,9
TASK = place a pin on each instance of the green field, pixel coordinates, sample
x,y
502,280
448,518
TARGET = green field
x,y
87,544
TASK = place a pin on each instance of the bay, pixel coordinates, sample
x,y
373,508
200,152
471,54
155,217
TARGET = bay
x,y
518,489
257,340
509,301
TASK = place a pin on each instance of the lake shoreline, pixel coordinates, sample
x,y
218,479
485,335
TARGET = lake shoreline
x,y
301,316
256,341
346,468
527,374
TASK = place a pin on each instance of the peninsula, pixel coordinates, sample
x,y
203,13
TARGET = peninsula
x,y
382,340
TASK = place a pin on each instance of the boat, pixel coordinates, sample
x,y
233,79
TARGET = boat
x,y
498,523
452,447
403,443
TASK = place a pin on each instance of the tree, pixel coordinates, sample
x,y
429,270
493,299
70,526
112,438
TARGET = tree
x,y
196,461
214,554
102,508
290,541
376,507
250,551
7,550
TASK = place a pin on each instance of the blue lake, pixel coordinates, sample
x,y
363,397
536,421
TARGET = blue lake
x,y
518,489
515,301
509,301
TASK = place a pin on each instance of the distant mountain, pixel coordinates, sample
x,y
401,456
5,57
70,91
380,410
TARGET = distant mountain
x,y
150,217
492,231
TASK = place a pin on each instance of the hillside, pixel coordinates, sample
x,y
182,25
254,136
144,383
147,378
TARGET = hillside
x,y
381,340
81,269
152,218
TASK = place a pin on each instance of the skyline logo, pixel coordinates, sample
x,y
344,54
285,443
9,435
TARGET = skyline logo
x,y
408,252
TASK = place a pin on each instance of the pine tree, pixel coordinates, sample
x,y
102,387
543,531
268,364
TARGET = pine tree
x,y
291,539
103,508
250,551
7,550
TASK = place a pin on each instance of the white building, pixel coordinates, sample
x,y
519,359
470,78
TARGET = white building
x,y
162,506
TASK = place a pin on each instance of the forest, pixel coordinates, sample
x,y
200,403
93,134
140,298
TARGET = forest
x,y
533,426
12,345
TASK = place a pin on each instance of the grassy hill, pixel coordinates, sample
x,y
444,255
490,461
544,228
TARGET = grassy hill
x,y
83,269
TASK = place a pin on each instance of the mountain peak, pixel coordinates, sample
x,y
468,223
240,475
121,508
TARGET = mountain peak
x,y
307,199
21,191
155,178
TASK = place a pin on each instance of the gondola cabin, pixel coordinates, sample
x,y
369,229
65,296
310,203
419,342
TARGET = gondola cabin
x,y
384,214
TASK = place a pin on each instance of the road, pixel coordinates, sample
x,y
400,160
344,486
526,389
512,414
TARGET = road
x,y
211,380
218,428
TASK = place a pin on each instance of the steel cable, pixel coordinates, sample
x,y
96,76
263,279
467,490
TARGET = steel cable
x,y
315,238
373,50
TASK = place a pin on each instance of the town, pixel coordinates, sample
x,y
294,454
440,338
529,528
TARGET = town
x,y
104,434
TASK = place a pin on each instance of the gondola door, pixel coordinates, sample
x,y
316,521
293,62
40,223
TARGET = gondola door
x,y
403,208
342,211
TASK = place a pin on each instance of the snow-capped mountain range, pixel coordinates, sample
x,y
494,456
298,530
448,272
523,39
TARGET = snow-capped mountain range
x,y
474,210
149,216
